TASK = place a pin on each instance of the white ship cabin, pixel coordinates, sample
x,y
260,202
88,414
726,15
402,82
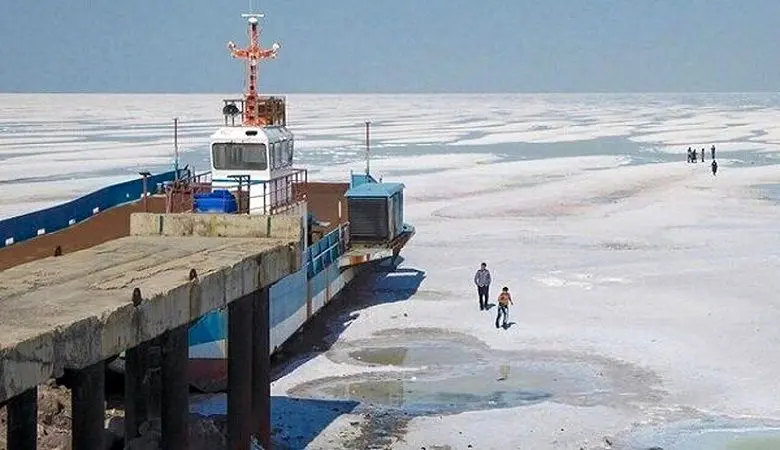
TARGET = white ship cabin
x,y
264,155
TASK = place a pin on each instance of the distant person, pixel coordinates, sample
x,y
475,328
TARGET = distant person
x,y
689,154
693,155
482,280
504,300
713,152
702,154
714,167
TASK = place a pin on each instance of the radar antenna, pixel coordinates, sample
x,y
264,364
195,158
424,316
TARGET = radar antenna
x,y
253,55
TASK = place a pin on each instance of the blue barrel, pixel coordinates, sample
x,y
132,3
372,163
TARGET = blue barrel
x,y
218,201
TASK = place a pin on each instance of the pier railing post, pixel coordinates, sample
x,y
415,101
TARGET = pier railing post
x,y
89,408
239,406
261,368
23,420
175,390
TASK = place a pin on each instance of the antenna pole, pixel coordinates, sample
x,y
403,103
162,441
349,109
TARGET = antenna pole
x,y
176,146
368,149
253,54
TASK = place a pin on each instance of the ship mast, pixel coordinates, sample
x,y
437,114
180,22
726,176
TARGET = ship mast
x,y
253,55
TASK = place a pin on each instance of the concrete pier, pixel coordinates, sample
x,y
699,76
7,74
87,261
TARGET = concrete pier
x,y
75,311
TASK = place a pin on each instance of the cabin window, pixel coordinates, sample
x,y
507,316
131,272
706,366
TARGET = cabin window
x,y
238,156
278,155
290,152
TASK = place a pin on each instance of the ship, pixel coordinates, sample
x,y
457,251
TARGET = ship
x,y
346,227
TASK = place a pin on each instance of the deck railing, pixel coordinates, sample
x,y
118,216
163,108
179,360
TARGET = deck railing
x,y
327,250
267,197
45,221
275,196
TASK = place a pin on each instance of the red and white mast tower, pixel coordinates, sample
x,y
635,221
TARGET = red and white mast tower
x,y
253,55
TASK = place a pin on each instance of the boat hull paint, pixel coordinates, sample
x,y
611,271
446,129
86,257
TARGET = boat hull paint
x,y
293,301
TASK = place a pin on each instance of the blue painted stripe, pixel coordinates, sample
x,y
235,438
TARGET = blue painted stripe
x,y
209,328
24,227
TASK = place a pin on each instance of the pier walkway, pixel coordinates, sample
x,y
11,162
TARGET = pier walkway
x,y
74,312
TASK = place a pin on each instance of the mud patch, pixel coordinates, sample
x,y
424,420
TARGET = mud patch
x,y
433,371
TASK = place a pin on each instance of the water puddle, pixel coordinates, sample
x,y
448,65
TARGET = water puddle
x,y
710,435
449,373
769,192
427,354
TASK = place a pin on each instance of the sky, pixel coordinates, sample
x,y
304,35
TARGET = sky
x,y
398,46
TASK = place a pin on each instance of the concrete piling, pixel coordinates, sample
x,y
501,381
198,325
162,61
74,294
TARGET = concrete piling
x,y
239,407
89,407
175,390
23,420
136,390
261,368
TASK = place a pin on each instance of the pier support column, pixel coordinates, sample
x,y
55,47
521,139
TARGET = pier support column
x,y
89,407
23,420
261,368
175,390
136,390
239,407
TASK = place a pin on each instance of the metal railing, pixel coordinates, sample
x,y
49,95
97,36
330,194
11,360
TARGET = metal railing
x,y
327,250
266,197
179,193
271,108
276,195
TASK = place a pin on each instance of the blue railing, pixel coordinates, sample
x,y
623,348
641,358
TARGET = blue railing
x,y
326,250
27,226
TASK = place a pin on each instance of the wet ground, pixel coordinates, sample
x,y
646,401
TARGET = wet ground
x,y
706,434
450,373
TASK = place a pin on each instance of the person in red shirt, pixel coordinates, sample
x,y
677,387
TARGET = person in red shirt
x,y
504,300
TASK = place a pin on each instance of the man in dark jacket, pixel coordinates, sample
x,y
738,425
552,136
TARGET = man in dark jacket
x,y
482,280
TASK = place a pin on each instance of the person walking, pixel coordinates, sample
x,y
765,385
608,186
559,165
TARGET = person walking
x,y
504,300
714,167
702,154
713,152
482,280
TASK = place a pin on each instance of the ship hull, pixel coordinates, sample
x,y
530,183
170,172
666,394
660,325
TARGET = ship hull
x,y
294,300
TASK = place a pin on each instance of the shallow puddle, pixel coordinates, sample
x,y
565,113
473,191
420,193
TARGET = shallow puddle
x,y
448,373
435,392
414,355
769,192
697,437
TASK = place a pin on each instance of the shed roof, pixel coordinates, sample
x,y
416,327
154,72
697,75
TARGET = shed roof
x,y
382,190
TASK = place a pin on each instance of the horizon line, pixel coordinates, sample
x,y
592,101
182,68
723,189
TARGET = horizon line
x,y
410,93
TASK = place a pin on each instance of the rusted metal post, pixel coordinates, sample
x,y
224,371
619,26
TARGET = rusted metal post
x,y
239,409
145,174
89,407
368,149
23,420
136,390
175,390
261,368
